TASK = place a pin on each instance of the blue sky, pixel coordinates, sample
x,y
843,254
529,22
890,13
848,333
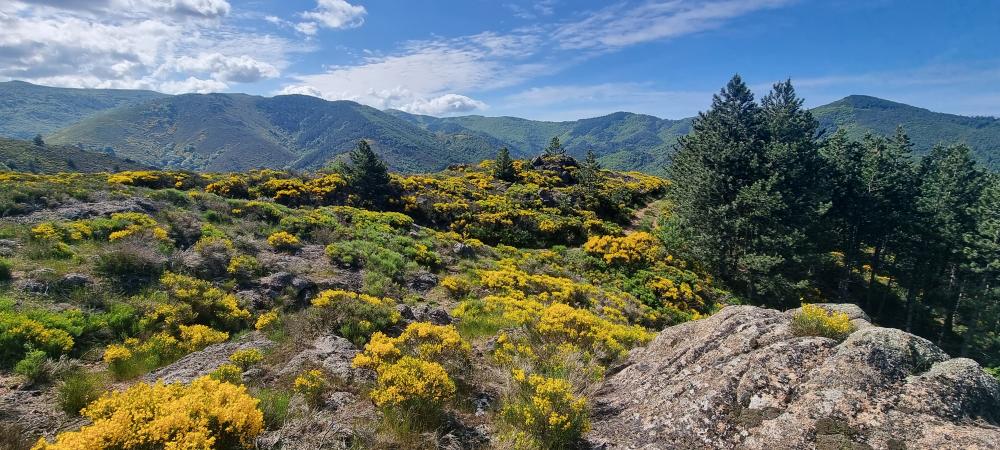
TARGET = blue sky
x,y
549,59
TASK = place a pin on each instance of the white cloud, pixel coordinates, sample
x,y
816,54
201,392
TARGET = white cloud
x,y
240,69
424,75
332,14
624,24
95,43
443,105
192,85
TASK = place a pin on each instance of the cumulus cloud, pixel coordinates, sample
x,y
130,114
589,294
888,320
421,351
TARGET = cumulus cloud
x,y
331,14
443,105
95,43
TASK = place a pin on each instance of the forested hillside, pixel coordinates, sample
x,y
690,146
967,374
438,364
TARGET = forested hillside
x,y
781,218
28,109
239,132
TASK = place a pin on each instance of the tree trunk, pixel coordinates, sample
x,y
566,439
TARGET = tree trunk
x,y
949,318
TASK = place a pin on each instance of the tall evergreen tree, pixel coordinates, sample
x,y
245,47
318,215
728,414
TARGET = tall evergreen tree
x,y
721,193
981,313
368,175
503,168
37,140
590,170
555,148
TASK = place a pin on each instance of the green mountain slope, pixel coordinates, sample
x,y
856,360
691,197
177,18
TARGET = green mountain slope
x,y
621,140
28,109
239,132
859,114
25,156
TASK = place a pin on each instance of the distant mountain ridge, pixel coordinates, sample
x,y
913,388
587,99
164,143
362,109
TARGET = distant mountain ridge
x,y
238,131
28,109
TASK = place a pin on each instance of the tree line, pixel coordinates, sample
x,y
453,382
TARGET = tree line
x,y
783,213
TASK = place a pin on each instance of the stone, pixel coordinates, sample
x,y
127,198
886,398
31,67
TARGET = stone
x,y
741,379
205,361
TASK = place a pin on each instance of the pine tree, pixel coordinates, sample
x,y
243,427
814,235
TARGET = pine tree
x,y
719,187
38,140
982,264
590,170
503,168
368,175
555,148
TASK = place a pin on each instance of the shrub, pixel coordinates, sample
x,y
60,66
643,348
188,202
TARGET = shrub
x,y
210,304
546,411
283,241
274,406
246,358
347,254
813,320
437,343
78,389
636,248
133,357
228,373
33,366
19,332
6,269
205,414
14,437
266,320
413,389
130,264
356,316
243,267
995,371
312,385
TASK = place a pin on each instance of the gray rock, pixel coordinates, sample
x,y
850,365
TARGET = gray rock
x,y
253,300
741,379
423,281
462,250
205,361
333,353
75,280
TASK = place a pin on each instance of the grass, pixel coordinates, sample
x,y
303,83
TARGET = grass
x,y
78,389
274,405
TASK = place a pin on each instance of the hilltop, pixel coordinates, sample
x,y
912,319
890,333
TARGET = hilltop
x,y
28,109
238,132
25,156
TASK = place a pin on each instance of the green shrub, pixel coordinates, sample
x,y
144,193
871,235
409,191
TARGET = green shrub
x,y
130,264
246,358
346,254
6,268
33,366
995,371
813,320
228,373
355,316
274,405
78,389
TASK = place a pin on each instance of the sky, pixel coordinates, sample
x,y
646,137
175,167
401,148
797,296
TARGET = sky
x,y
544,59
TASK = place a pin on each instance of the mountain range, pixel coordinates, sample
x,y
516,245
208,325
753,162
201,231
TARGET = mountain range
x,y
223,132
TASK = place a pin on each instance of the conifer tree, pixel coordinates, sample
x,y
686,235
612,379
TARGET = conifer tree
x,y
368,175
503,168
38,141
590,170
555,148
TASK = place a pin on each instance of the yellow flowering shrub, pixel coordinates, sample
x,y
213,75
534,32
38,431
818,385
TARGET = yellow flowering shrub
x,y
438,343
356,316
636,248
208,303
205,414
246,358
561,323
312,385
813,320
283,240
545,411
232,186
133,356
19,332
266,320
243,267
154,179
413,385
228,373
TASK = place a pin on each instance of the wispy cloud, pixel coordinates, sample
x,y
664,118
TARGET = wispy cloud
x,y
422,71
627,24
568,102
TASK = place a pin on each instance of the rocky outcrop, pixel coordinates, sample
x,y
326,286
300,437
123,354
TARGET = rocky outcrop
x,y
205,361
742,379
